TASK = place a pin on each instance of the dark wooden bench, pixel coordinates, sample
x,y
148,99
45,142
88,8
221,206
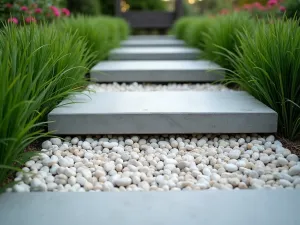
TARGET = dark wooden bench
x,y
150,20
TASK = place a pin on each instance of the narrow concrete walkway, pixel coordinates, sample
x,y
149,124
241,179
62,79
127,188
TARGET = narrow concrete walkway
x,y
157,112
160,112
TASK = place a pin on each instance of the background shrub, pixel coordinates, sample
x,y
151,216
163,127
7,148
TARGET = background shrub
x,y
267,66
188,9
222,36
152,5
293,8
40,66
107,7
85,7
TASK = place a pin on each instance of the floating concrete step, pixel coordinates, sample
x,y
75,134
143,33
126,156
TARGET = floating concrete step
x,y
156,71
153,43
163,112
155,53
269,207
152,37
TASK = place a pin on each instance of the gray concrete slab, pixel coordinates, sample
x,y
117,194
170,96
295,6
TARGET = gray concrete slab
x,y
152,37
156,71
154,53
153,43
261,207
162,112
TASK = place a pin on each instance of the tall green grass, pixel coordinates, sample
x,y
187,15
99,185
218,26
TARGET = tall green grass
x,y
124,28
195,31
114,34
40,66
181,25
222,35
101,33
267,65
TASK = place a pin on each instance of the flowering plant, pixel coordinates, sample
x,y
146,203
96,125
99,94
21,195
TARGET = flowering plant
x,y
257,9
31,11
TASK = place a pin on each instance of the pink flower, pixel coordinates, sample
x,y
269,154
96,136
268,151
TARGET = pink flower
x,y
282,8
13,20
9,5
272,2
30,19
24,8
65,11
38,10
55,11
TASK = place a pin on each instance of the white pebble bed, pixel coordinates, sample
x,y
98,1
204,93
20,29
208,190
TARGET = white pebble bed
x,y
123,87
160,163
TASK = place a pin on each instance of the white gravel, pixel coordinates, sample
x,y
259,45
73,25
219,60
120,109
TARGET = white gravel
x,y
160,163
117,87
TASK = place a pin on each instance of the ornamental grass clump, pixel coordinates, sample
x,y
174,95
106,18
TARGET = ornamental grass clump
x,y
194,33
222,36
40,66
113,30
267,65
123,29
181,25
100,33
95,34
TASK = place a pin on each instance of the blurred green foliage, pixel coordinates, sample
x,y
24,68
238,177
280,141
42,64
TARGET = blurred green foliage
x,y
292,8
85,7
146,4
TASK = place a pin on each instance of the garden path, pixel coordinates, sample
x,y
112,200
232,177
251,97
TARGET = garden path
x,y
161,112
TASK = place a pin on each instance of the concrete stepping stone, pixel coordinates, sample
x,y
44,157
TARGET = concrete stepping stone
x,y
147,208
162,112
155,53
156,71
152,37
152,43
